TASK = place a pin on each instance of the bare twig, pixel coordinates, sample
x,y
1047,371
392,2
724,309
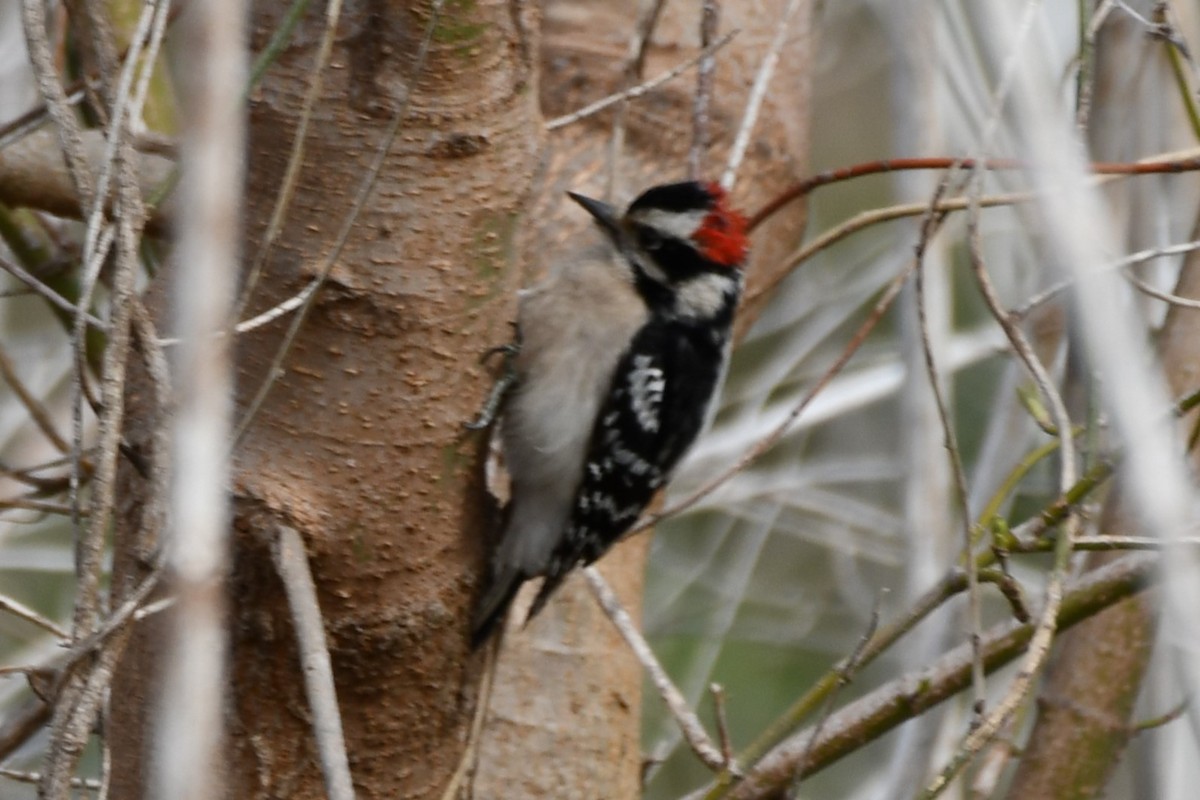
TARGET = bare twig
x,y
689,724
467,763
1107,543
635,92
1132,259
106,644
83,693
41,506
19,609
1160,164
1085,63
37,411
48,294
866,219
143,141
845,670
1164,719
1043,633
758,93
41,59
710,18
907,696
643,34
632,73
1174,299
950,442
34,777
20,725
291,562
148,542
718,697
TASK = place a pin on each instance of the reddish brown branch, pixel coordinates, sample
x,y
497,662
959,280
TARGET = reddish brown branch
x,y
813,182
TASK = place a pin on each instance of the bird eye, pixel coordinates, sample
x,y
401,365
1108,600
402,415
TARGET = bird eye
x,y
650,239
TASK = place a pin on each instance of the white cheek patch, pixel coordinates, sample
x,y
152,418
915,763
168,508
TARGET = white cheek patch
x,y
680,224
648,266
703,296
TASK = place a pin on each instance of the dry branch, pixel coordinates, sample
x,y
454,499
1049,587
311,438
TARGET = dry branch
x,y
34,174
901,699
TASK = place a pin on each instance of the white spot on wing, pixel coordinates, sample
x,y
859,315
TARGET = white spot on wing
x,y
646,385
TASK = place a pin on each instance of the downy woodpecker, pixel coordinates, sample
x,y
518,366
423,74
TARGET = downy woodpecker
x,y
621,354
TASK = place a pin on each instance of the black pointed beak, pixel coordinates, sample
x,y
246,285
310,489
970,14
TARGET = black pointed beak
x,y
605,215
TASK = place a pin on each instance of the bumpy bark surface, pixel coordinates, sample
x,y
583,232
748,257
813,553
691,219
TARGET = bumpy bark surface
x,y
359,444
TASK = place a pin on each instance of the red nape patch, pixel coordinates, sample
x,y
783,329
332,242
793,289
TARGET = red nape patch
x,y
722,234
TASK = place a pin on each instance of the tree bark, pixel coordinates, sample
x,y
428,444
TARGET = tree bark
x,y
359,445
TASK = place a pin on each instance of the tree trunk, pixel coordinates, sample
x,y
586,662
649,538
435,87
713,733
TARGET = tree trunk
x,y
359,444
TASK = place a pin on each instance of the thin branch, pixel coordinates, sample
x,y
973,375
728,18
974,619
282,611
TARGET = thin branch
x,y
35,504
866,219
758,93
632,73
953,583
142,140
97,653
1043,634
644,33
1173,299
83,694
20,725
635,92
908,696
710,17
718,697
846,670
688,723
291,562
35,777
1177,54
37,411
48,294
1161,164
950,442
19,609
1106,543
41,60
1132,259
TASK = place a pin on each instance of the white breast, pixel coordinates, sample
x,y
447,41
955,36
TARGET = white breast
x,y
575,327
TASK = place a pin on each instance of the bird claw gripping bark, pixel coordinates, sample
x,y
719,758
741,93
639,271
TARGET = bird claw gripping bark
x,y
508,376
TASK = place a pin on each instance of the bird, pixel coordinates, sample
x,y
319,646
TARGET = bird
x,y
620,354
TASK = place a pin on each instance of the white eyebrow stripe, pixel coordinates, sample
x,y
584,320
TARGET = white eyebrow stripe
x,y
680,224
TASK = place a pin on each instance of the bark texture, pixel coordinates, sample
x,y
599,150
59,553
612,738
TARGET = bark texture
x,y
359,444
